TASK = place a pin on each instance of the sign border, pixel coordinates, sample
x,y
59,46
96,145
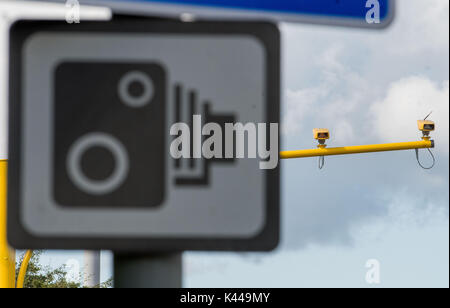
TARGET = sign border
x,y
20,238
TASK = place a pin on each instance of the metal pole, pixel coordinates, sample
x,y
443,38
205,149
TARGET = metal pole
x,y
148,271
91,269
7,255
358,149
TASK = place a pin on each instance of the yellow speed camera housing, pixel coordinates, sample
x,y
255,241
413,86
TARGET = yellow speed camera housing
x,y
426,126
321,134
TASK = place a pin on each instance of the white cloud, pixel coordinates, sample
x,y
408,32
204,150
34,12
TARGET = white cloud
x,y
335,75
411,99
332,103
367,87
409,252
424,27
344,131
374,185
401,211
298,105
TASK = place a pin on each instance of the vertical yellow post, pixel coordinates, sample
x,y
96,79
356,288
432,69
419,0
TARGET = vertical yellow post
x,y
7,255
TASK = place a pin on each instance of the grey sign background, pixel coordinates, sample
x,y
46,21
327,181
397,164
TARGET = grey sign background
x,y
230,71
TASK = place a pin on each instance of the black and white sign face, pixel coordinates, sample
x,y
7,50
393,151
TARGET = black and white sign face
x,y
114,162
93,108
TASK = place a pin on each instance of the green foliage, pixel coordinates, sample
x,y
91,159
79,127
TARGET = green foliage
x,y
107,284
39,276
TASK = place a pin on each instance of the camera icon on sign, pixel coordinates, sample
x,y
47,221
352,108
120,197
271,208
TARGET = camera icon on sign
x,y
109,140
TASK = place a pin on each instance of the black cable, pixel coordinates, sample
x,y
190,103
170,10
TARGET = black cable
x,y
420,164
321,162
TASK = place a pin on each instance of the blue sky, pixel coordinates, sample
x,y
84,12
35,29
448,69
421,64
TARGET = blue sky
x,y
367,87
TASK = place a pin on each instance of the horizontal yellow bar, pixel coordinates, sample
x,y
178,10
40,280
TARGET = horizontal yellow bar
x,y
358,149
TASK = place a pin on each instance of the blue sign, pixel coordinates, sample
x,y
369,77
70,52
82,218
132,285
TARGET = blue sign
x,y
361,13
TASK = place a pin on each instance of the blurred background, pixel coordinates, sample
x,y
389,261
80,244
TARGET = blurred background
x,y
366,87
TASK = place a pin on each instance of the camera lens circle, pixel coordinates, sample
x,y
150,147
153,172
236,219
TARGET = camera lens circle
x,y
141,79
97,187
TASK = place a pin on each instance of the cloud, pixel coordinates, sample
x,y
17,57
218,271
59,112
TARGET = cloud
x,y
424,27
338,96
299,104
366,87
409,99
327,207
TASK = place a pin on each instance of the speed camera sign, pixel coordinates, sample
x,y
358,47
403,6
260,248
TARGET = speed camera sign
x,y
111,135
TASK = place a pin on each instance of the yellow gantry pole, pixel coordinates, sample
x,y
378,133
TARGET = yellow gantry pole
x,y
323,151
7,255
